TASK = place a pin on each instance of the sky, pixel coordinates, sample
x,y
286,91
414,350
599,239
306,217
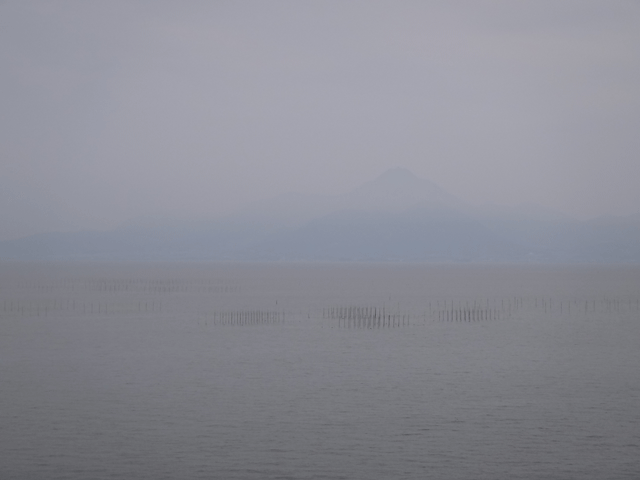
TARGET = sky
x,y
124,109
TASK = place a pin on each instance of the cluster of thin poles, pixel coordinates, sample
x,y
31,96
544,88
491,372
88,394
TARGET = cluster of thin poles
x,y
45,308
366,317
141,285
248,317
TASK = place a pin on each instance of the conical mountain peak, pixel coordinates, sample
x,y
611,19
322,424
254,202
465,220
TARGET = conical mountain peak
x,y
398,189
397,174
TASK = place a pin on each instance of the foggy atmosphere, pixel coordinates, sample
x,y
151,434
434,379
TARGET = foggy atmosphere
x,y
113,111
321,239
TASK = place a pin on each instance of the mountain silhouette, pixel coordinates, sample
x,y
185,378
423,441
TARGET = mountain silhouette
x,y
395,217
396,190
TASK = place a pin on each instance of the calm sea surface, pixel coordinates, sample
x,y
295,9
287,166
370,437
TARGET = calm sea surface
x,y
319,371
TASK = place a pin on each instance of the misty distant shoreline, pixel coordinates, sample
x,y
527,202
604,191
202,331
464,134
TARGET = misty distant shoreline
x,y
395,218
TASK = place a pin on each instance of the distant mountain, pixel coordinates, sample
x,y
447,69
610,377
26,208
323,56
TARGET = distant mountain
x,y
393,191
396,217
413,235
397,190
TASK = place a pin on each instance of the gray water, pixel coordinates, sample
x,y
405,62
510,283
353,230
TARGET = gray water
x,y
319,371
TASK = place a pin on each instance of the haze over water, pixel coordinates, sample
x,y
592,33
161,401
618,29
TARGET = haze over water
x,y
319,371
125,110
468,133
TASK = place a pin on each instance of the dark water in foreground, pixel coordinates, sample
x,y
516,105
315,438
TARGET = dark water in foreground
x,y
306,372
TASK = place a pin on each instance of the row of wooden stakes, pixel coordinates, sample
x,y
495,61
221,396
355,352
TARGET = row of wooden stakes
x,y
248,317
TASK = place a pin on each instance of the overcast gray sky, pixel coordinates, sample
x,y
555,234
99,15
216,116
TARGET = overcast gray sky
x,y
117,109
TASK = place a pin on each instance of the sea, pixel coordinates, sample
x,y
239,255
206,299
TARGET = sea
x,y
319,371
